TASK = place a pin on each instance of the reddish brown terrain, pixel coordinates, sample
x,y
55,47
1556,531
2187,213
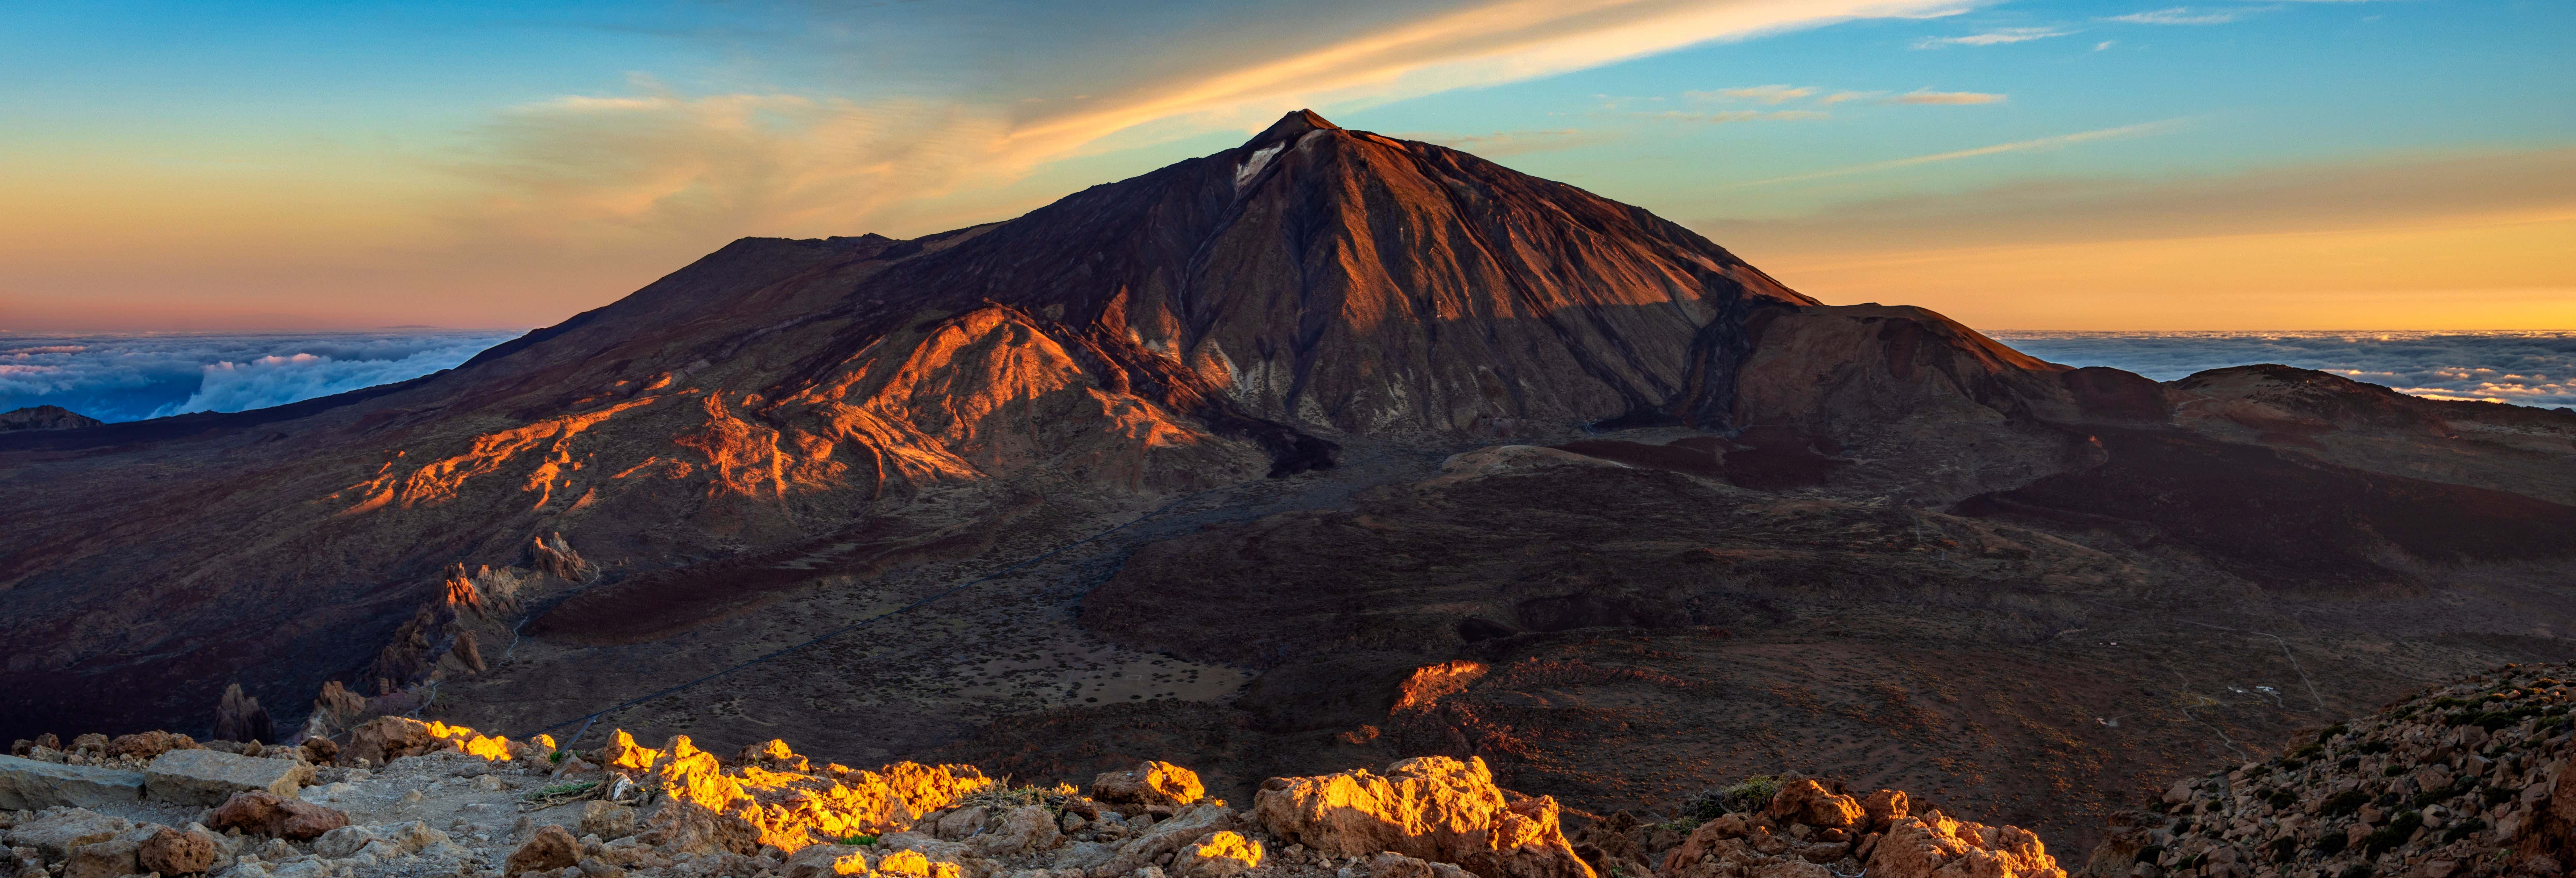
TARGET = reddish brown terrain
x,y
1321,451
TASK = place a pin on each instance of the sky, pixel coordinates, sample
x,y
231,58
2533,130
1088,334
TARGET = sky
x,y
2017,164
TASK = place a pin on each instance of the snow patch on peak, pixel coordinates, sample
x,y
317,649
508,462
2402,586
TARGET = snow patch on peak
x,y
1252,166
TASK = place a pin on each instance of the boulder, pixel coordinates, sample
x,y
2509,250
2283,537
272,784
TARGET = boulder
x,y
387,738
1026,829
1884,807
1166,837
959,824
172,852
913,864
827,861
32,785
21,862
1223,855
1083,856
208,777
275,816
149,745
1434,808
1389,864
682,826
106,859
1149,784
57,831
608,820
1808,802
1920,847
550,849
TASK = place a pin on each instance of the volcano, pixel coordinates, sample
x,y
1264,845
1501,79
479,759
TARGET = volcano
x,y
1244,457
1228,317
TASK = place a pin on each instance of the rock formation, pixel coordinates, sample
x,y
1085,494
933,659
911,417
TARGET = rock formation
x,y
240,718
2465,779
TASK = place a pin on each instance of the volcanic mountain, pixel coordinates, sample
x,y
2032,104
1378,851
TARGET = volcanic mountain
x,y
1281,371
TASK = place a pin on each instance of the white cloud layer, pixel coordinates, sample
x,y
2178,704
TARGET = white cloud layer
x,y
132,377
2523,368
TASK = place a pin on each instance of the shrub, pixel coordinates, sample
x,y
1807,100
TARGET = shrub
x,y
2387,838
2149,853
2356,870
2331,731
2374,747
2460,787
2463,829
2331,844
2282,798
2347,802
2285,849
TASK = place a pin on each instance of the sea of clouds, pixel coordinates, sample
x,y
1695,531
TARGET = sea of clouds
x,y
2523,368
132,377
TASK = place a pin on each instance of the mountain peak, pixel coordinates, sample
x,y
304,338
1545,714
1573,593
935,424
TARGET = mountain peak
x,y
1290,127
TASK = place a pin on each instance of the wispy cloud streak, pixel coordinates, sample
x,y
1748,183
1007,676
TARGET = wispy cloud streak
x,y
1997,149
1993,37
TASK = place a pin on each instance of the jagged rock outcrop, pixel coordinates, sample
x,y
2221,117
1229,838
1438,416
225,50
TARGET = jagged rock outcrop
x,y
2464,779
1432,807
239,717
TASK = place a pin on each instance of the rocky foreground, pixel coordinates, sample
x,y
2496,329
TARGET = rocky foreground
x,y
2469,779
413,799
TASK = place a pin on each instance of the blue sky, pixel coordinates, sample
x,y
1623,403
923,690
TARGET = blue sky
x,y
2099,165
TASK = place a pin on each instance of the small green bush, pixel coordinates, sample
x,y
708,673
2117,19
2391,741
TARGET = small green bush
x,y
1750,794
2463,829
2331,844
2356,870
2282,798
2347,802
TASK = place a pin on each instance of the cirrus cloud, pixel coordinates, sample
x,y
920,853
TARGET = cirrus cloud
x,y
1993,37
2178,15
